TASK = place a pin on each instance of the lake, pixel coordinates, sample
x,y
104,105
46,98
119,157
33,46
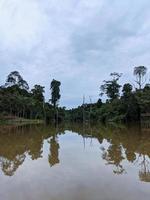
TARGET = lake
x,y
74,162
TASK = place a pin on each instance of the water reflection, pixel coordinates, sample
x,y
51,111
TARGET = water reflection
x,y
53,157
17,143
119,147
114,156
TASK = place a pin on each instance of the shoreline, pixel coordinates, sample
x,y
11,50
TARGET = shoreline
x,y
20,121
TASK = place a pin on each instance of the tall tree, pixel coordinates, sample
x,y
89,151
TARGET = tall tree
x,y
37,93
127,90
140,72
129,104
99,103
14,78
111,87
55,92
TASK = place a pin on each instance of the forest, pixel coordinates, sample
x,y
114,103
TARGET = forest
x,y
116,103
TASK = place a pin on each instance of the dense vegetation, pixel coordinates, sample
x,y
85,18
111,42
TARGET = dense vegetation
x,y
16,100
123,103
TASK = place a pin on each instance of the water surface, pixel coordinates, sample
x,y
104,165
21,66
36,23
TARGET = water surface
x,y
74,162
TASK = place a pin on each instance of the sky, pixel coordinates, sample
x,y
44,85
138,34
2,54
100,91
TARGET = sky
x,y
78,42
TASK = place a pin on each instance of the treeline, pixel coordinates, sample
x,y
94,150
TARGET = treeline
x,y
16,100
125,103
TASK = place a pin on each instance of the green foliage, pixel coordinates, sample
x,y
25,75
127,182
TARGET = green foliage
x,y
37,93
111,87
126,108
17,101
143,98
14,78
99,103
55,92
127,90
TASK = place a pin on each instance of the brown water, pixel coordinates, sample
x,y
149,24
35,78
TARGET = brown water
x,y
74,162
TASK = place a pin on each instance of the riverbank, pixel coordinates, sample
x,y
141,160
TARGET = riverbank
x,y
19,121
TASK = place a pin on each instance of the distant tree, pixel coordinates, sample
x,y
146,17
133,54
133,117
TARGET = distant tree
x,y
14,78
140,72
111,87
129,104
99,103
144,99
55,92
127,90
37,93
17,101
147,87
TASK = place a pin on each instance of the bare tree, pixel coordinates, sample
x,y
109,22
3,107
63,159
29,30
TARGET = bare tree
x,y
140,72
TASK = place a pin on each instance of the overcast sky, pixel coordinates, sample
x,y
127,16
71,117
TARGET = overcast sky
x,y
79,42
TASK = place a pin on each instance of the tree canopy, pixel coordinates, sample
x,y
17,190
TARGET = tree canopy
x,y
111,87
55,92
123,105
14,78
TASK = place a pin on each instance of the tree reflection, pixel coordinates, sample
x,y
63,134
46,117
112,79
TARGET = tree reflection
x,y
10,166
16,143
144,172
113,156
53,157
119,146
123,144
130,155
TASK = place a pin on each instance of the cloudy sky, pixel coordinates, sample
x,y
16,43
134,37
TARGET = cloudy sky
x,y
79,42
